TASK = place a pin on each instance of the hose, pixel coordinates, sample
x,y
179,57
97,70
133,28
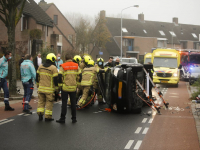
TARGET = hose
x,y
87,103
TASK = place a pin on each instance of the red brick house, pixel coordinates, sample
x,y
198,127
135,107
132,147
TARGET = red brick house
x,y
33,18
140,36
64,35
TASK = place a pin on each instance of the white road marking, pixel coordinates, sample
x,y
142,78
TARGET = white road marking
x,y
144,120
6,121
3,120
33,112
149,112
129,144
138,130
175,93
100,111
96,112
27,115
137,146
145,131
20,114
151,120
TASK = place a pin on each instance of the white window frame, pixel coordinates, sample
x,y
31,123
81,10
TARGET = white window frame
x,y
162,32
172,33
124,30
145,31
194,35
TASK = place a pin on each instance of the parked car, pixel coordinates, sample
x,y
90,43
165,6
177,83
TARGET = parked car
x,y
194,73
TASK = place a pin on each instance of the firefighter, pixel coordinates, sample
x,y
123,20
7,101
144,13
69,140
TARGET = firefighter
x,y
67,79
88,76
151,71
3,82
47,81
99,65
28,77
77,59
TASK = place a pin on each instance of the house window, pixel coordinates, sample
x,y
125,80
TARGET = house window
x,y
184,44
55,19
145,31
24,22
70,38
162,33
194,35
172,33
196,45
162,43
124,30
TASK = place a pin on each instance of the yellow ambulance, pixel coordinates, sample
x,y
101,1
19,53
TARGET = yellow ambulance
x,y
166,64
147,58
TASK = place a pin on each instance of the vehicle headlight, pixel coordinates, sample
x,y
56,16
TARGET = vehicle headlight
x,y
175,75
154,74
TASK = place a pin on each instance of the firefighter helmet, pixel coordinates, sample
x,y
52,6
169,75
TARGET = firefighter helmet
x,y
91,62
77,58
51,57
87,59
100,59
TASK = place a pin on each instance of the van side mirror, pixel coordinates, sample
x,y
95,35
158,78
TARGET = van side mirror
x,y
180,66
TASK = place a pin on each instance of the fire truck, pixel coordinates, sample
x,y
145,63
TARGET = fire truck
x,y
189,59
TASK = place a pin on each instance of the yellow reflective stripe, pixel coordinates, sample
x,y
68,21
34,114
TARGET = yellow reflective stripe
x,y
69,88
47,74
56,88
88,73
60,72
78,83
38,71
47,88
48,112
46,91
55,74
70,72
40,110
60,84
97,69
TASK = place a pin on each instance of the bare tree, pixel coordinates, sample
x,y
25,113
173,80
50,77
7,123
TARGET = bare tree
x,y
83,34
100,34
10,16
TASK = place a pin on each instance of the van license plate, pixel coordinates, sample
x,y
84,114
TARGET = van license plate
x,y
163,81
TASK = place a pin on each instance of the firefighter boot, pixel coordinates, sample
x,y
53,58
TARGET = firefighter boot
x,y
8,108
40,117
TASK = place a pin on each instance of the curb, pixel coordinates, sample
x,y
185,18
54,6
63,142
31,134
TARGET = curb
x,y
194,113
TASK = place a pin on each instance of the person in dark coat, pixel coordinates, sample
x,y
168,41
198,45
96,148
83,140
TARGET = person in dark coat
x,y
21,60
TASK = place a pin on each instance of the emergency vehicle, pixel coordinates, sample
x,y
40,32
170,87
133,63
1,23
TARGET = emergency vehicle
x,y
166,64
147,58
189,59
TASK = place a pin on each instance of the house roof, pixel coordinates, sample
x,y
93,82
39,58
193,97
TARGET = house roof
x,y
152,28
32,9
45,6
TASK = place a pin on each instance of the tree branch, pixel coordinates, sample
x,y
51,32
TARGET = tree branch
x,y
3,20
20,13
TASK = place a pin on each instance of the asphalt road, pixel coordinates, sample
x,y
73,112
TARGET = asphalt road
x,y
95,129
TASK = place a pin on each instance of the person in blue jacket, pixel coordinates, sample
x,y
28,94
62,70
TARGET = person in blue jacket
x,y
28,77
58,61
3,82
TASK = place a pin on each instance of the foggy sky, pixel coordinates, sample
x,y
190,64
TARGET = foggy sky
x,y
187,11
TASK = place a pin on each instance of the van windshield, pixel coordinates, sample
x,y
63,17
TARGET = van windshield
x,y
194,69
147,60
165,62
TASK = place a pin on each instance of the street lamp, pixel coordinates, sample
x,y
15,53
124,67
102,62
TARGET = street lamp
x,y
176,25
121,25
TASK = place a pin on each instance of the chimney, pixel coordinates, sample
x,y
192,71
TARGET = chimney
x,y
175,20
103,14
141,17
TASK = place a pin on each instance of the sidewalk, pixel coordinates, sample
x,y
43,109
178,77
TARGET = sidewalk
x,y
175,129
